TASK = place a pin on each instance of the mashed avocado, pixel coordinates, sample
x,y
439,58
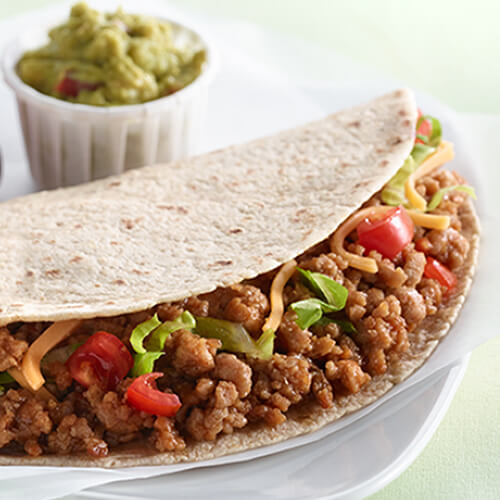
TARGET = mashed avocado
x,y
110,59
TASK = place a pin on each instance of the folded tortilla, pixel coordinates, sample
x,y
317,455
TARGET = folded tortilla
x,y
167,232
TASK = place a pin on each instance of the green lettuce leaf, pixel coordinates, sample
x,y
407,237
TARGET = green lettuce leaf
x,y
310,311
141,331
332,298
235,338
157,340
438,197
394,193
344,324
6,378
436,131
265,344
329,290
420,152
145,357
73,347
144,363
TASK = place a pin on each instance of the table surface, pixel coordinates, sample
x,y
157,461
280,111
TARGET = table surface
x,y
448,49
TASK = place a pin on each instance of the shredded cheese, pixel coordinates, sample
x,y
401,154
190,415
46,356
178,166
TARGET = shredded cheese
x,y
429,221
337,242
48,339
368,264
276,296
42,393
443,154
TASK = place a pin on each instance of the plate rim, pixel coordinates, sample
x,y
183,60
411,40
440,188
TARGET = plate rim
x,y
453,380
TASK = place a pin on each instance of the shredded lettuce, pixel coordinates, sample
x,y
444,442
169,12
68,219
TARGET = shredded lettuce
x,y
333,293
436,131
144,362
265,343
157,340
394,191
73,347
310,311
438,197
145,356
5,378
421,152
141,331
235,338
332,298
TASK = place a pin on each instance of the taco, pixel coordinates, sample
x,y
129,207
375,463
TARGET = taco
x,y
186,311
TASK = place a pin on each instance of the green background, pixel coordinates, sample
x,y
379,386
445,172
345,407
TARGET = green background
x,y
450,49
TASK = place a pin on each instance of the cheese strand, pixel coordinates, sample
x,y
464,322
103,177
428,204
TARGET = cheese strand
x,y
443,154
276,296
369,264
42,393
48,339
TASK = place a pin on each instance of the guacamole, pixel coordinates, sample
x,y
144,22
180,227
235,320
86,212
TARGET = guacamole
x,y
107,59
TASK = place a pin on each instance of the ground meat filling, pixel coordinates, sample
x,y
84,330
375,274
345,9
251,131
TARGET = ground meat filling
x,y
73,435
279,383
11,350
190,354
165,436
23,419
223,392
121,423
245,304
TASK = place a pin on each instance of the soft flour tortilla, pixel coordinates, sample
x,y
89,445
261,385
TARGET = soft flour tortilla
x,y
167,232
304,418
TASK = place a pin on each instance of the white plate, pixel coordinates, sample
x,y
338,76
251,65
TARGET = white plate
x,y
354,461
339,466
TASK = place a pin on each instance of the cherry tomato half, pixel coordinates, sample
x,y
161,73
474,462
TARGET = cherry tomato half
x,y
435,270
143,395
388,234
103,360
425,128
71,87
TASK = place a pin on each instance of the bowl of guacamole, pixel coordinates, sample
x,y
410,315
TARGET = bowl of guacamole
x,y
103,92
112,59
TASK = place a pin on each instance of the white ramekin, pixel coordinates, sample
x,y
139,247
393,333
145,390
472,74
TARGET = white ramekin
x,y
71,143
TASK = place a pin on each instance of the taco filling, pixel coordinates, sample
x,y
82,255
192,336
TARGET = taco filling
x,y
311,332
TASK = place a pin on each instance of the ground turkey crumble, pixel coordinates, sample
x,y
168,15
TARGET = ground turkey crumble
x,y
223,392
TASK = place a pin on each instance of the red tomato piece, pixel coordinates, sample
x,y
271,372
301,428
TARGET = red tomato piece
x,y
103,360
143,395
423,245
388,234
425,128
435,270
71,87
